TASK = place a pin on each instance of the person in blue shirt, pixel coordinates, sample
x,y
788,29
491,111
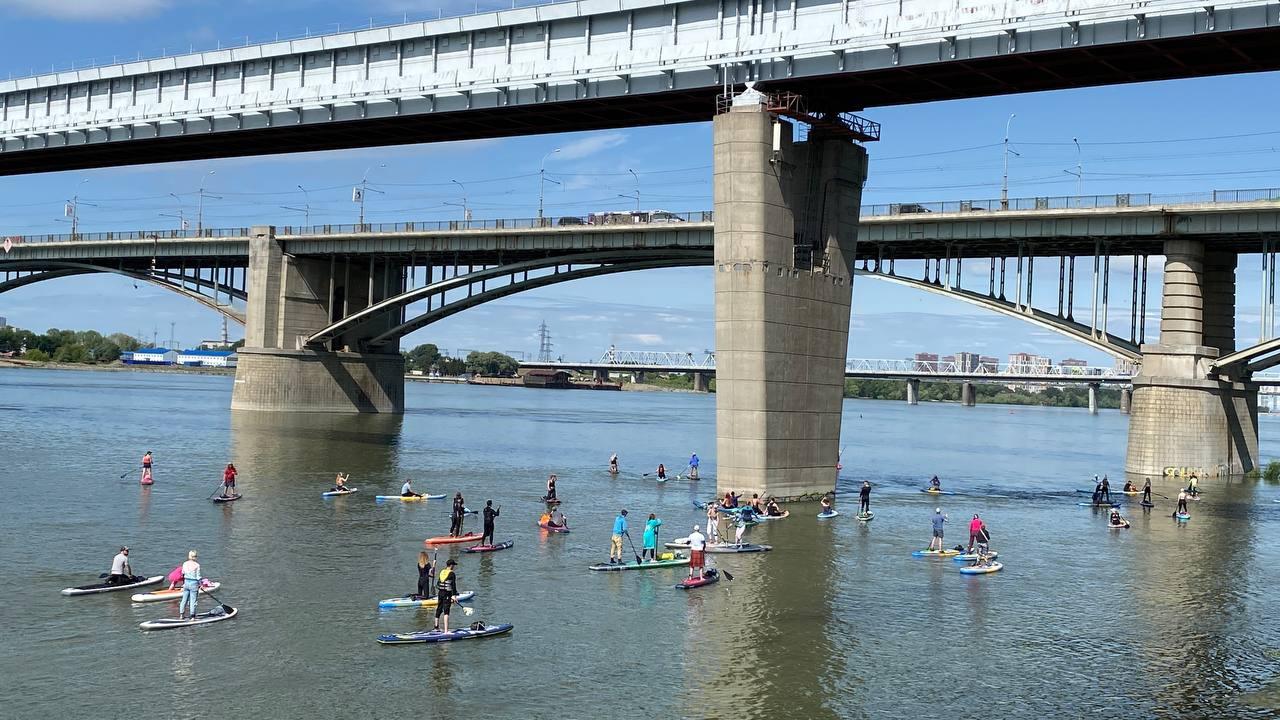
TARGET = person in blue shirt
x,y
650,538
615,544
693,466
938,521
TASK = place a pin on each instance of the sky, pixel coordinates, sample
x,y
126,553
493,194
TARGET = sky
x,y
1175,139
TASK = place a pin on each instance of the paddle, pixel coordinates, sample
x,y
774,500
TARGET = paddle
x,y
216,489
633,546
125,473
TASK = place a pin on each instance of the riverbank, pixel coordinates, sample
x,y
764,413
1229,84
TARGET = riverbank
x,y
115,367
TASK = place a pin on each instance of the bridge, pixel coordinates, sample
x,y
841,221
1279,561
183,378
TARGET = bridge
x,y
323,314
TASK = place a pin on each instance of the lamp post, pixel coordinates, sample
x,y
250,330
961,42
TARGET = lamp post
x,y
466,213
637,179
200,210
358,195
182,220
1079,169
73,208
1004,181
542,172
635,197
306,204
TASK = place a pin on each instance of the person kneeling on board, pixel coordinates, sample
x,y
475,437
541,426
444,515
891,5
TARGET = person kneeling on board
x,y
772,509
121,573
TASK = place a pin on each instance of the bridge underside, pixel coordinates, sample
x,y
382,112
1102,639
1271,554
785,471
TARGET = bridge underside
x,y
969,70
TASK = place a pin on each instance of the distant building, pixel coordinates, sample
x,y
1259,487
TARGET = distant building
x,y
1029,363
988,364
150,356
967,361
214,345
1077,367
4,322
1125,366
207,358
926,361
947,360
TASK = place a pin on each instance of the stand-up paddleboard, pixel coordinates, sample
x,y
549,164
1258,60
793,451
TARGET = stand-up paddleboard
x,y
931,491
867,516
147,481
1182,517
489,548
96,588
762,518
710,576
552,501
174,594
339,493
1122,526
1113,492
218,614
553,528
827,514
1099,505
1146,503
415,601
439,636
408,498
720,548
982,569
678,561
228,498
470,537
935,553
973,557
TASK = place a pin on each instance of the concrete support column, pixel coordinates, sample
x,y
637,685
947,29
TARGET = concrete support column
x,y
968,395
781,324
913,392
637,376
1126,400
700,383
1184,419
601,375
288,301
1093,398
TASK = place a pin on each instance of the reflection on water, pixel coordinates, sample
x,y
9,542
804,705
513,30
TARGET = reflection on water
x,y
1166,619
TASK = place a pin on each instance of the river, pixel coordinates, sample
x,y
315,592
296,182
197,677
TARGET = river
x,y
839,621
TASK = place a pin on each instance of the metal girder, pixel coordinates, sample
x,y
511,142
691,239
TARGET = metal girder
x,y
43,270
1246,360
1110,344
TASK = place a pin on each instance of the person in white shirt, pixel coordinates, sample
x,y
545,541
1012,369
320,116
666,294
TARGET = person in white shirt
x,y
121,573
697,552
190,584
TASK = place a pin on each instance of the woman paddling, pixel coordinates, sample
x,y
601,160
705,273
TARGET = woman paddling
x,y
406,490
551,488
1146,491
650,538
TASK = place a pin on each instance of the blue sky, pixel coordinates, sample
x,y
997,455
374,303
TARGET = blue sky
x,y
1174,138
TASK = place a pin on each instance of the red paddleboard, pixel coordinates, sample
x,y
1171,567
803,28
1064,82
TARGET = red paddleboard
x,y
449,539
712,576
147,481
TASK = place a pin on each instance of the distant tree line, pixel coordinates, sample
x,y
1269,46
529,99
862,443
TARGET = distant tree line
x,y
427,358
1072,396
66,346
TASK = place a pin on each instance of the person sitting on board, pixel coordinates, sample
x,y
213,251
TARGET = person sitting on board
x,y
748,514
772,509
935,483
406,490
1182,502
340,483
121,573
1116,520
697,552
1146,491
662,471
1105,488
757,506
613,464
426,573
551,488
938,520
1129,487
825,502
557,519
229,480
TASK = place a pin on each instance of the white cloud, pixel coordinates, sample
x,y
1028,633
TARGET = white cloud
x,y
591,144
649,339
87,9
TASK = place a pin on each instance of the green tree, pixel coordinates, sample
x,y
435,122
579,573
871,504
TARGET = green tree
x,y
492,364
37,355
422,357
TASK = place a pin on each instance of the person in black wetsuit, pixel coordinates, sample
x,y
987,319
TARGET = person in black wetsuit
x,y
864,497
446,591
1146,491
455,518
425,574
551,488
489,514
1105,490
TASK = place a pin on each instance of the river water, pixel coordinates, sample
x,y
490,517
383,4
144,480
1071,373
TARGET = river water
x,y
839,621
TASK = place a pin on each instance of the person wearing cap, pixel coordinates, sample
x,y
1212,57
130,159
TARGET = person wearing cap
x,y
697,552
190,584
615,543
229,480
446,593
121,573
938,521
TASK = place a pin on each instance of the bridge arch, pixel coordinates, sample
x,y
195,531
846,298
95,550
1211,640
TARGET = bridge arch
x,y
42,270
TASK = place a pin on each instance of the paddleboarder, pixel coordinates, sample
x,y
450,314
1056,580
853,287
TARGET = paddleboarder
x,y
984,540
650,540
190,584
662,471
426,572
713,522
771,508
935,483
1191,486
613,464
489,514
456,515
740,527
1146,491
864,498
615,542
146,467
406,490
551,488
693,466
1182,502
1129,487
340,483
229,480
1105,488
446,592
825,503
697,552
121,573
558,519
975,525
938,521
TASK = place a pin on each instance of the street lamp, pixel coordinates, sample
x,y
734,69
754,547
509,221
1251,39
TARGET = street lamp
x,y
200,210
1079,169
306,200
1004,182
542,172
635,197
637,179
72,208
466,213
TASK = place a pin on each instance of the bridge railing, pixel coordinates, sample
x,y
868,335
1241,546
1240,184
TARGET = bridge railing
x,y
1073,202
650,358
123,235
925,368
647,218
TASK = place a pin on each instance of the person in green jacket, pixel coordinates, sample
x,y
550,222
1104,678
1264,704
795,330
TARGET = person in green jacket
x,y
651,538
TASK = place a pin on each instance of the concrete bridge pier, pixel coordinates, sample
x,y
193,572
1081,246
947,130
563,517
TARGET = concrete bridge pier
x,y
601,376
1093,398
913,392
700,382
288,299
968,395
1182,417
1126,400
786,220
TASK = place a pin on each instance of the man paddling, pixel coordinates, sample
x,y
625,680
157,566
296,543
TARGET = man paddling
x,y
340,483
693,466
615,542
938,521
121,573
229,480
864,498
1105,489
697,552
455,516
446,593
489,514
